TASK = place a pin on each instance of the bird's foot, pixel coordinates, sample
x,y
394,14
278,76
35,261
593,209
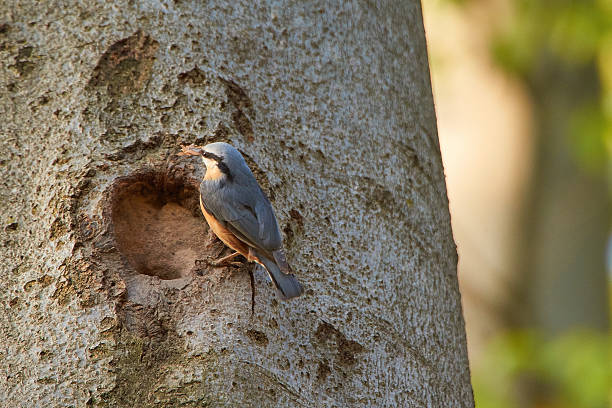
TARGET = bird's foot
x,y
216,263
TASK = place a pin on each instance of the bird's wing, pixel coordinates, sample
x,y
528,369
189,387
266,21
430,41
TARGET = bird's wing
x,y
269,232
246,212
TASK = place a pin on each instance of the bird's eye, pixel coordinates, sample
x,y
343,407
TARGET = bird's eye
x,y
213,156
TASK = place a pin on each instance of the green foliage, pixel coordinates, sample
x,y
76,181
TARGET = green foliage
x,y
590,131
576,33
522,369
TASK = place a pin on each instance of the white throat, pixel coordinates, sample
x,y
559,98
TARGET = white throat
x,y
209,163
213,173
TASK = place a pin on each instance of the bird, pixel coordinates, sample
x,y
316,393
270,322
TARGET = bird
x,y
240,214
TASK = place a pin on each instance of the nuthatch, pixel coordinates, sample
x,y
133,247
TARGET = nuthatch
x,y
240,214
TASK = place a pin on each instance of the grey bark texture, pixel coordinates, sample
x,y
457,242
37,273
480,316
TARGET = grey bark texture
x,y
104,302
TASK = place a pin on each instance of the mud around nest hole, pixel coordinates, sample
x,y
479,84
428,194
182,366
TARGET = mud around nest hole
x,y
157,224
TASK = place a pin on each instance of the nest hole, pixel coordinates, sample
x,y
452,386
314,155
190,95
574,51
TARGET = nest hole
x,y
157,223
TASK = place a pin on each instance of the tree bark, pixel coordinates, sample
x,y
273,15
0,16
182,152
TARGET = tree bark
x,y
105,303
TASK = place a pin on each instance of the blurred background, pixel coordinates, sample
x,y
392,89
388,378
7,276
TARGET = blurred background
x,y
523,92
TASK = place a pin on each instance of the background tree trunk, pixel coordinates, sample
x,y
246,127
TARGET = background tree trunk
x,y
104,303
565,225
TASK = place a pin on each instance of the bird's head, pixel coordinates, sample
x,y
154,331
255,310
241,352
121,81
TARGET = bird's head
x,y
218,158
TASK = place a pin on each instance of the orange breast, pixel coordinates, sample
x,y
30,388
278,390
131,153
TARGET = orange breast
x,y
224,234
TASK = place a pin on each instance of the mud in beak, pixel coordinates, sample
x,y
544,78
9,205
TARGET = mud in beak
x,y
191,150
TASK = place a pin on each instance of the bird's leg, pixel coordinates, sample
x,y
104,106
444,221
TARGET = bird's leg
x,y
223,261
252,257
227,258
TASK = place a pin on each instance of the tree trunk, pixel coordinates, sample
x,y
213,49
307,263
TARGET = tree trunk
x,y
105,303
566,217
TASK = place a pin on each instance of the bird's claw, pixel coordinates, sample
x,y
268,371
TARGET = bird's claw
x,y
216,263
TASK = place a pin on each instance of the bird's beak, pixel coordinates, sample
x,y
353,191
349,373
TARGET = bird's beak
x,y
190,150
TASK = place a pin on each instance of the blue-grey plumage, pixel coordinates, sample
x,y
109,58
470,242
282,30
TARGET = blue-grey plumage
x,y
241,215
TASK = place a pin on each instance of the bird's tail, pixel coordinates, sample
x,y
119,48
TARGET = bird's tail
x,y
286,283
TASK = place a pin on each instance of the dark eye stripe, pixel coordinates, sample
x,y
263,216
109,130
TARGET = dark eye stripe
x,y
222,166
225,170
213,156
